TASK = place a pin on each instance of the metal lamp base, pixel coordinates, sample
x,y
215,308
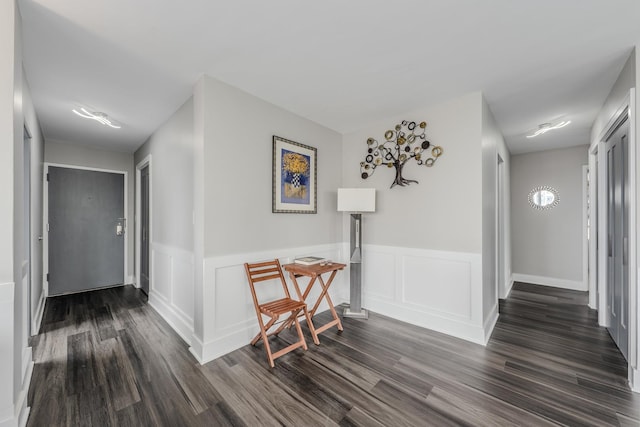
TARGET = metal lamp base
x,y
362,314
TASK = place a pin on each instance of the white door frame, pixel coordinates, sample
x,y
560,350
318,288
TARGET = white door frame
x,y
45,216
585,242
598,147
141,165
501,264
594,189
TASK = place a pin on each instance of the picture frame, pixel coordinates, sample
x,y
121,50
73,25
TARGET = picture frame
x,y
294,184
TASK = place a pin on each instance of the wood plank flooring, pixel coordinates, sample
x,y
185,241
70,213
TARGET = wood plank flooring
x,y
105,358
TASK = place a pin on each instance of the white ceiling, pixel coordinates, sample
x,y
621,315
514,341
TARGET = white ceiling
x,y
343,64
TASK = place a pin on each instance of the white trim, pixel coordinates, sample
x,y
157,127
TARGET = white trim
x,y
37,318
490,322
45,222
594,176
508,292
141,165
172,315
575,285
634,379
197,349
585,242
634,277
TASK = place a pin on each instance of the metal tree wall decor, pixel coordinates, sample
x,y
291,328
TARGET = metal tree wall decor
x,y
407,141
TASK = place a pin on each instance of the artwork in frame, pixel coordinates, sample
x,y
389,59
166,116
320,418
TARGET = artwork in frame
x,y
294,177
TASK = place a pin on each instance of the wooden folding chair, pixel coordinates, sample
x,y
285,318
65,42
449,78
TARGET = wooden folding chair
x,y
270,270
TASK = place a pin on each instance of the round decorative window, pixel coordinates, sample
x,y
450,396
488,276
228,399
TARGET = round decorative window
x,y
543,197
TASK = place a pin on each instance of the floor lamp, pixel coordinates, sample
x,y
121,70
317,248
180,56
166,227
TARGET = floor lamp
x,y
356,201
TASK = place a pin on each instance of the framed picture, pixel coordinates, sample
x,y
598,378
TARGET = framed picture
x,y
294,177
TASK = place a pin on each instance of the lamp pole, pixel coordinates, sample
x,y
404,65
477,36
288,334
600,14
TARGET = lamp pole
x,y
355,275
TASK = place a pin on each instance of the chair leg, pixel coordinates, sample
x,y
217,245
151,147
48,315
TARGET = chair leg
x,y
299,329
265,328
265,338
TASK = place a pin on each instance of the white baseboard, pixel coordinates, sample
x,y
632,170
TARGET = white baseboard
x,y
22,409
508,291
490,323
182,325
196,349
37,319
131,280
226,344
428,320
574,285
635,380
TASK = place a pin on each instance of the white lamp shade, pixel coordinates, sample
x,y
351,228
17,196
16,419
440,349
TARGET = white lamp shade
x,y
356,199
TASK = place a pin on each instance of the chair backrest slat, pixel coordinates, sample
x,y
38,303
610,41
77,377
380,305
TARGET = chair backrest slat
x,y
263,278
263,271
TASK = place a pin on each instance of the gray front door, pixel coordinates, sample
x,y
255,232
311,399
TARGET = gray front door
x,y
85,250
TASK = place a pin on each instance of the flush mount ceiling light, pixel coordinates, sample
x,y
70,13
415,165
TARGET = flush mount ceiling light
x,y
546,127
97,116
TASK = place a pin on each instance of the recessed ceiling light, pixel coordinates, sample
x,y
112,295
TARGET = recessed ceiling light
x,y
97,116
546,127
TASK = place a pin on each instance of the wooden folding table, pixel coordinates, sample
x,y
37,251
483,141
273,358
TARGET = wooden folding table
x,y
315,272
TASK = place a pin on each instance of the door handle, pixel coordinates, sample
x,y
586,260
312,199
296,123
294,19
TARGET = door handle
x,y
120,226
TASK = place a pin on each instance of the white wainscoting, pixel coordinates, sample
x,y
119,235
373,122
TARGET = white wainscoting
x,y
229,316
171,287
438,290
7,364
574,285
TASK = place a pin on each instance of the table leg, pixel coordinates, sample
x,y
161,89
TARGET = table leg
x,y
325,294
289,322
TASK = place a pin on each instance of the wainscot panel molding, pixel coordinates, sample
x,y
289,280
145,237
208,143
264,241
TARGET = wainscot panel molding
x,y
438,290
12,412
171,287
574,285
231,320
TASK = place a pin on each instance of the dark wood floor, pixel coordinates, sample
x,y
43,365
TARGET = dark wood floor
x,y
106,358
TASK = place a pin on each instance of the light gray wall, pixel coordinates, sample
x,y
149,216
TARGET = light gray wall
x,y
37,163
238,130
443,211
65,153
493,145
171,150
620,90
548,243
